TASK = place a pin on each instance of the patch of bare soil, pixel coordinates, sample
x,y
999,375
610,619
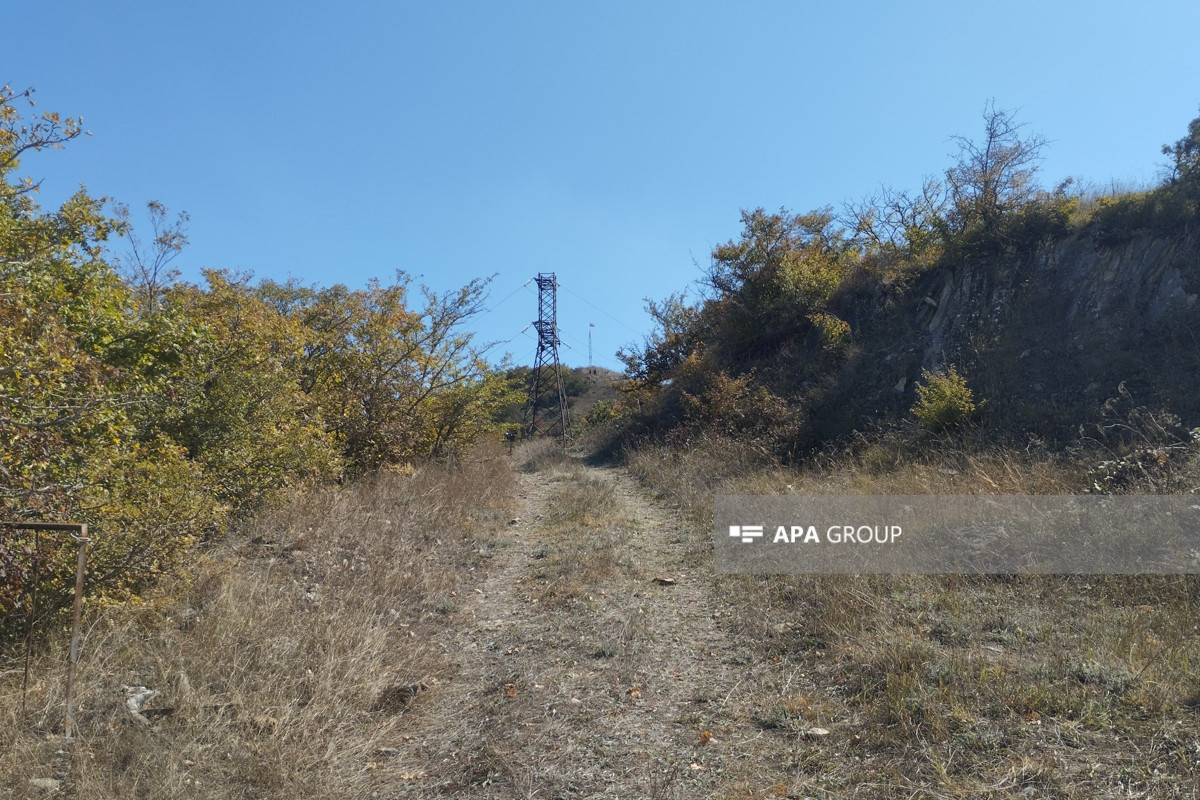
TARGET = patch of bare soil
x,y
587,660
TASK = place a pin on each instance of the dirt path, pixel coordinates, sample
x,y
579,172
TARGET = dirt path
x,y
586,659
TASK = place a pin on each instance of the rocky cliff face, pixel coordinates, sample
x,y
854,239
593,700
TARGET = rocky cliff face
x,y
1144,280
1045,337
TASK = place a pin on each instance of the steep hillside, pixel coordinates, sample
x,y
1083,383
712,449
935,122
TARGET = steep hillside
x,y
584,388
1034,308
601,385
1045,338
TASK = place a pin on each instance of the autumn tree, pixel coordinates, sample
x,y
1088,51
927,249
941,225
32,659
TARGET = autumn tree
x,y
396,379
233,398
993,177
157,411
1185,155
776,255
146,265
672,339
71,386
19,135
776,281
900,233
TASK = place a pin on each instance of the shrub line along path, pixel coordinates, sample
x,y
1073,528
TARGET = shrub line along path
x,y
573,670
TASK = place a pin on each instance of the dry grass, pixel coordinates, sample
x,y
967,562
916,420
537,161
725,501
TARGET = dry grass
x,y
286,667
584,543
583,664
540,455
952,686
474,633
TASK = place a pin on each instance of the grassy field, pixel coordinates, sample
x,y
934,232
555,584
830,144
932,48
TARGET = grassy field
x,y
959,686
282,669
548,626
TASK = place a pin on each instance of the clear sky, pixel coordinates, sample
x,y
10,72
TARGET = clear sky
x,y
613,143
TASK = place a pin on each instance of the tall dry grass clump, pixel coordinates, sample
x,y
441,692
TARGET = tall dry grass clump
x,y
543,454
286,664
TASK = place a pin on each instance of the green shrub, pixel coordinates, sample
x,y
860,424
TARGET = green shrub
x,y
1042,219
603,411
943,400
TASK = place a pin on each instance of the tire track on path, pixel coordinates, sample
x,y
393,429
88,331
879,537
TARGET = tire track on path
x,y
571,671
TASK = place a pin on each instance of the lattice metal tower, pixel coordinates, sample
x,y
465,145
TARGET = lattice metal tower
x,y
546,415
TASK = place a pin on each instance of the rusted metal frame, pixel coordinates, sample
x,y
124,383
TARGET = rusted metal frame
x,y
79,532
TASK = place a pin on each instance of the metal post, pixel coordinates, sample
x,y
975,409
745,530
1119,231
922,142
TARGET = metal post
x,y
77,615
79,532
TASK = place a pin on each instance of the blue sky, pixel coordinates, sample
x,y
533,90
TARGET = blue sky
x,y
611,142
